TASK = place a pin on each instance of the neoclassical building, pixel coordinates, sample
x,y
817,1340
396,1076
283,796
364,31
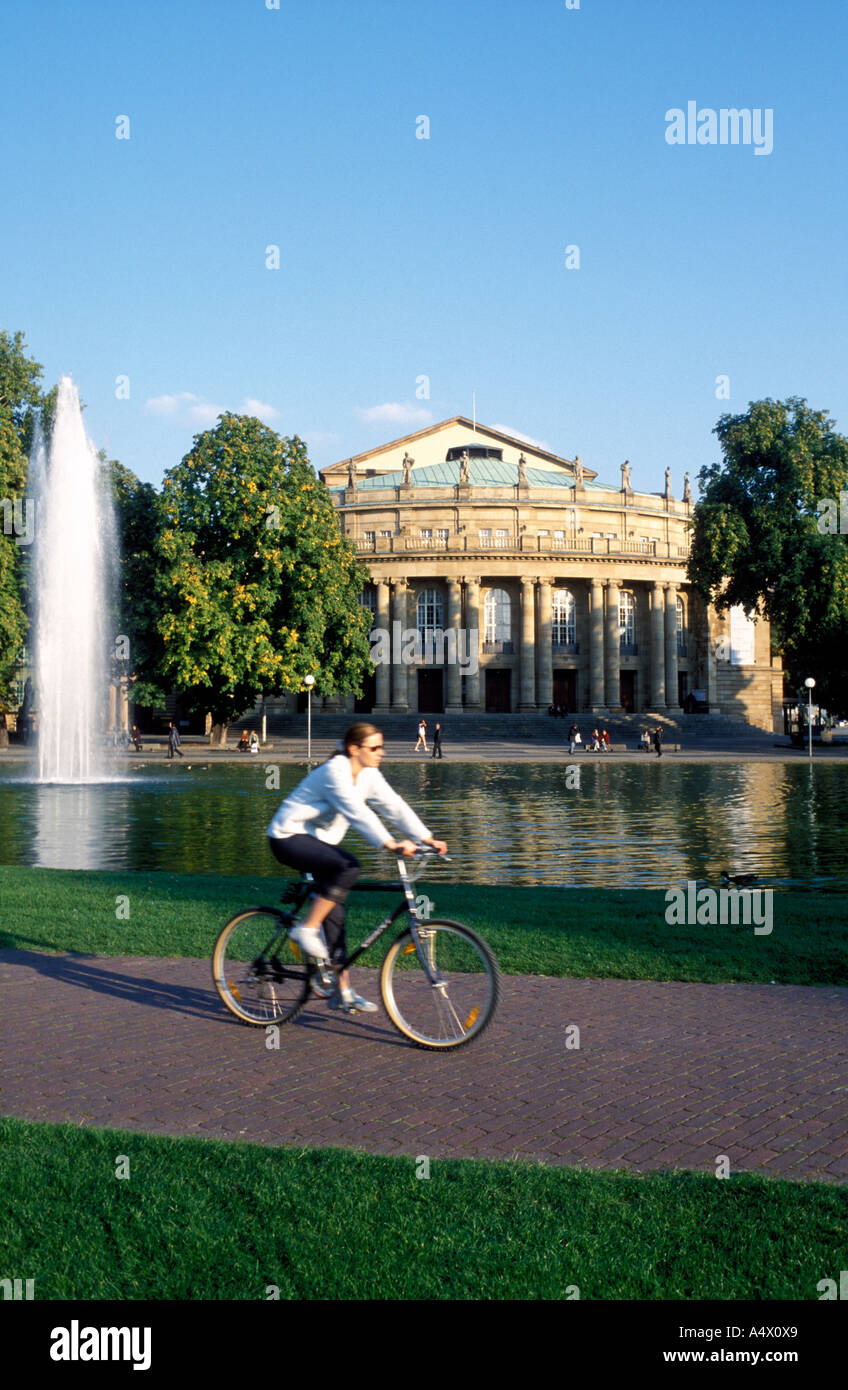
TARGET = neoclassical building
x,y
576,589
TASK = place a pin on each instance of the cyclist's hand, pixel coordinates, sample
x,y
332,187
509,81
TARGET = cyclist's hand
x,y
404,847
440,846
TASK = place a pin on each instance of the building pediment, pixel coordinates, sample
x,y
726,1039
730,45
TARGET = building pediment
x,y
433,457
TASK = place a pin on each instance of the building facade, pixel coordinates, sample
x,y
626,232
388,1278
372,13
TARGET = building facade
x,y
505,578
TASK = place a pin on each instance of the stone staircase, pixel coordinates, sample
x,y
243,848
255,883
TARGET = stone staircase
x,y
687,730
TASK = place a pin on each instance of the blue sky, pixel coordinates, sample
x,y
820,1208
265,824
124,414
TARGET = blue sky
x,y
402,257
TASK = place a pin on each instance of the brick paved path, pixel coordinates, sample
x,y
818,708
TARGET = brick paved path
x,y
666,1075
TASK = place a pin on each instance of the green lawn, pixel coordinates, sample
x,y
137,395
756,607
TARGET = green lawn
x,y
201,1219
541,931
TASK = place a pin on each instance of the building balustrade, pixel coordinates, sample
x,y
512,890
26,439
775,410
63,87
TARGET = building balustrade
x,y
539,545
498,649
566,648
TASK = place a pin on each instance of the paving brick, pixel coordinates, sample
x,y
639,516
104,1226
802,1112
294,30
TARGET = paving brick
x,y
668,1074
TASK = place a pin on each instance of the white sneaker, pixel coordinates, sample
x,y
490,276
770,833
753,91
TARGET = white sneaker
x,y
310,940
351,1003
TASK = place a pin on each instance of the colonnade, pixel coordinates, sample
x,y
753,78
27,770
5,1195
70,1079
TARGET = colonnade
x,y
396,683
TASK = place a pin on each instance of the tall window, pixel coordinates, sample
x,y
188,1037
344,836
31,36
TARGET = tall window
x,y
498,616
681,628
429,611
627,619
563,628
368,599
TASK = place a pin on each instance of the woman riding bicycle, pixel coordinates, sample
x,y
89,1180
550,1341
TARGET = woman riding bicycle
x,y
305,835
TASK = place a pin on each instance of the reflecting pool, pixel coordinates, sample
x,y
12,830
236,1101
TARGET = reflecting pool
x,y
625,825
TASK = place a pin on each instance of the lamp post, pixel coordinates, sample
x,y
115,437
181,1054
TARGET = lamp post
x,y
809,683
309,681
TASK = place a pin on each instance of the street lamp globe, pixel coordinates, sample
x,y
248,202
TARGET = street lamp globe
x,y
310,680
810,682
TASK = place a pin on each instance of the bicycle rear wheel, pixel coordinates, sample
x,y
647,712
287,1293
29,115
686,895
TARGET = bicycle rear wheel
x,y
258,973
460,1005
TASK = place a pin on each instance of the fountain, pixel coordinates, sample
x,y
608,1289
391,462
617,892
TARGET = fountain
x,y
74,554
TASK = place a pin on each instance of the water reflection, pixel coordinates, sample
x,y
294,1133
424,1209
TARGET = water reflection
x,y
626,825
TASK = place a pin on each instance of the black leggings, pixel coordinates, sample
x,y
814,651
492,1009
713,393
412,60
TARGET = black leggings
x,y
334,870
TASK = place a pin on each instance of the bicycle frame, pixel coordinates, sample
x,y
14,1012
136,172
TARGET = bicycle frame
x,y
405,885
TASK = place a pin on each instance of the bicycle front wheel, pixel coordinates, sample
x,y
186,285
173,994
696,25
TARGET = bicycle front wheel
x,y
454,1010
257,972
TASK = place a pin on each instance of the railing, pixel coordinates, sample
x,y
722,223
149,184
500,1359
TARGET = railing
x,y
498,648
593,545
566,648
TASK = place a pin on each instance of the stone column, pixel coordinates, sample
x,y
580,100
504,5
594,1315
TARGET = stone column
x,y
546,658
383,671
671,648
596,648
613,649
400,704
527,685
472,622
657,648
453,703
413,667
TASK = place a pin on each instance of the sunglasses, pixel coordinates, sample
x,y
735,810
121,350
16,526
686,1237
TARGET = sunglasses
x,y
372,747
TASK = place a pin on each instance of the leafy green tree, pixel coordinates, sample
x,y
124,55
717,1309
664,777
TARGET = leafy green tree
x,y
19,391
761,535
257,585
138,516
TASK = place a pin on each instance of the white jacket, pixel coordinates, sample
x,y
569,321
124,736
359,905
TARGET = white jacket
x,y
328,801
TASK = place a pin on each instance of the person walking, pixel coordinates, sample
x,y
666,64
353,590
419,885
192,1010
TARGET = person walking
x,y
575,738
422,735
173,740
136,738
658,738
437,741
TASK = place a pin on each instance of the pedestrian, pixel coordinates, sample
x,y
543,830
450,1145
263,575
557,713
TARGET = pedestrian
x,y
574,738
437,741
136,738
606,739
645,742
253,741
658,738
173,740
596,741
422,735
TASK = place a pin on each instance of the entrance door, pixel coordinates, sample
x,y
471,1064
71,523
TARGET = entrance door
x,y
364,703
497,691
430,692
627,695
565,689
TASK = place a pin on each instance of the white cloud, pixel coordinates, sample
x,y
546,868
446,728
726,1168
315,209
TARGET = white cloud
x,y
260,409
205,414
185,408
527,438
395,413
169,405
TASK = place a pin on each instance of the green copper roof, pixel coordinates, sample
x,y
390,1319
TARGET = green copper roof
x,y
481,473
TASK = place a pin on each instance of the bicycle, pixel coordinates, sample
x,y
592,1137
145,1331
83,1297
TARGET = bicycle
x,y
439,980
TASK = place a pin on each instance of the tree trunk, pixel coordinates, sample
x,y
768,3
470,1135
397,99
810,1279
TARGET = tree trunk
x,y
4,732
218,732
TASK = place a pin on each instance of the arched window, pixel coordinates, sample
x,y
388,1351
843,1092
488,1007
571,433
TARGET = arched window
x,y
682,649
429,612
563,626
498,616
627,620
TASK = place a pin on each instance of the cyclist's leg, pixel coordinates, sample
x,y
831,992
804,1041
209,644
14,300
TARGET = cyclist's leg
x,y
334,870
